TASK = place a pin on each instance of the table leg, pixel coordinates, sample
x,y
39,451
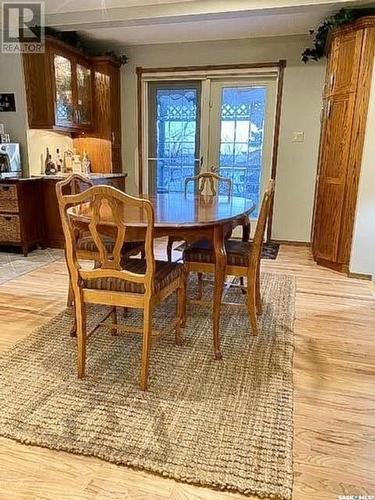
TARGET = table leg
x,y
245,237
220,264
246,229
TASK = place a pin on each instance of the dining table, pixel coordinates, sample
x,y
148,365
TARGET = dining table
x,y
189,218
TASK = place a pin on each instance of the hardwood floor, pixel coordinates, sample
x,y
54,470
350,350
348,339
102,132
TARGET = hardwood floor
x,y
334,449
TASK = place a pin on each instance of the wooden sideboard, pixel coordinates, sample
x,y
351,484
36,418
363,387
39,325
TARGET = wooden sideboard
x,y
20,223
29,212
345,102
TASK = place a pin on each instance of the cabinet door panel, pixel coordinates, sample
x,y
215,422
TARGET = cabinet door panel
x,y
84,95
63,70
344,63
332,176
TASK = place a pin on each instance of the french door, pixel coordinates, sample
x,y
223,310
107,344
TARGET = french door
x,y
173,134
227,124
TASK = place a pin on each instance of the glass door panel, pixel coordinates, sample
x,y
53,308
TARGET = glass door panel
x,y
64,90
84,95
241,135
173,135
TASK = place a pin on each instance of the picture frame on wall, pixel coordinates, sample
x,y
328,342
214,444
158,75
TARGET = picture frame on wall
x,y
7,102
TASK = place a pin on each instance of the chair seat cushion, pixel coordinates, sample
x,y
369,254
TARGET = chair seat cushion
x,y
87,244
165,274
238,252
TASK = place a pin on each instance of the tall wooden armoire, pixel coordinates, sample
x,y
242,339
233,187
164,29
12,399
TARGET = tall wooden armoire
x,y
344,113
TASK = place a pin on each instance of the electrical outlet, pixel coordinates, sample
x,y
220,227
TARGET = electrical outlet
x,y
299,137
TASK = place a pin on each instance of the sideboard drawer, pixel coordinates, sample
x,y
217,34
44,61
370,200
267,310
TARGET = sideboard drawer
x,y
8,198
10,230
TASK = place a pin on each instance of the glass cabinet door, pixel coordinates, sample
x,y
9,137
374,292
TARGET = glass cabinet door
x,y
64,90
83,95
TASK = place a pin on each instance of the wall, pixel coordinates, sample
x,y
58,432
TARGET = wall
x,y
363,254
301,110
38,141
11,80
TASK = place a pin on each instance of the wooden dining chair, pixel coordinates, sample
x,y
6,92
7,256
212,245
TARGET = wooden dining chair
x,y
115,280
243,258
86,247
212,181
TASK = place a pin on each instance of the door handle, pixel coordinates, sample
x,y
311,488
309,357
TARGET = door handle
x,y
332,80
329,109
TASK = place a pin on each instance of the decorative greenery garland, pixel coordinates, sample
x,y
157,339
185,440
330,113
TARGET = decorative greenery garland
x,y
73,39
344,16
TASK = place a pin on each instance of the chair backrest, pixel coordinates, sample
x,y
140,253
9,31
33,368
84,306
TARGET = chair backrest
x,y
105,209
210,178
260,229
76,183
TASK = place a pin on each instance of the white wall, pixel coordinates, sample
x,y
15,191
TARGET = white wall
x,y
37,143
301,109
363,248
12,80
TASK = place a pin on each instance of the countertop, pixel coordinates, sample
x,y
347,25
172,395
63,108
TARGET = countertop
x,y
60,177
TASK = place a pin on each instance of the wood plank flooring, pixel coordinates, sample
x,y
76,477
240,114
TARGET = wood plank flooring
x,y
334,451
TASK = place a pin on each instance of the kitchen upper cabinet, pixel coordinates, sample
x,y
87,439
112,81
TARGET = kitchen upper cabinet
x,y
84,95
63,75
103,146
59,88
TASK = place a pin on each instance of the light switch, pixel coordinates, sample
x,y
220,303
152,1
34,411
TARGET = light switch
x,y
298,136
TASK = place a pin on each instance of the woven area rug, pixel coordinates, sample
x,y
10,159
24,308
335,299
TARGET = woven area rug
x,y
13,265
224,424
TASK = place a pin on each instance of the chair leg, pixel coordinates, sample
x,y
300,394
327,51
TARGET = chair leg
x,y
242,283
181,310
80,310
146,346
73,330
70,298
169,249
251,303
258,296
200,286
114,320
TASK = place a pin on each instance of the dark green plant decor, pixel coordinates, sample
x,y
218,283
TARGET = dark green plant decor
x,y
344,16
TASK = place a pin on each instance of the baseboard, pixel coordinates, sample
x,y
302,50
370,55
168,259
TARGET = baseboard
x,y
335,266
292,243
361,276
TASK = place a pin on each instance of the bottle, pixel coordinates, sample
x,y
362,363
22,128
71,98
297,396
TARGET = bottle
x,y
68,162
51,168
59,161
46,161
86,164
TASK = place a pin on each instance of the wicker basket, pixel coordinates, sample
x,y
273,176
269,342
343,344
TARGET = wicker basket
x,y
10,230
8,198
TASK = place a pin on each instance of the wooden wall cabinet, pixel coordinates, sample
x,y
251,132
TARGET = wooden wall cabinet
x,y
103,146
59,89
345,102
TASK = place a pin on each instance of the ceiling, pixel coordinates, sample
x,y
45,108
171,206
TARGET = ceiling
x,y
135,22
